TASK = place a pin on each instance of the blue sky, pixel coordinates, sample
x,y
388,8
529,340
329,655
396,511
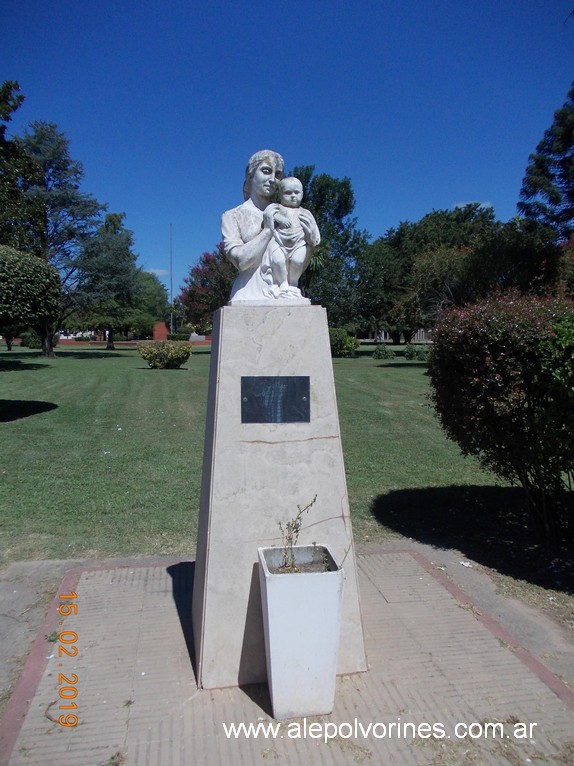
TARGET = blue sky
x,y
423,104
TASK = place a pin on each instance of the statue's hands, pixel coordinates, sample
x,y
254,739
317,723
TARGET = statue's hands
x,y
269,217
282,222
309,228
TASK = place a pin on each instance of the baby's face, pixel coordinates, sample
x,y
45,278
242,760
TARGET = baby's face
x,y
291,193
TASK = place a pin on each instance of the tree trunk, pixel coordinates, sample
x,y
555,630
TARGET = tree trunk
x,y
408,335
46,334
110,344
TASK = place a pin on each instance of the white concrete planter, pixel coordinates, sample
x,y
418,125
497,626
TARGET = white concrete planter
x,y
302,620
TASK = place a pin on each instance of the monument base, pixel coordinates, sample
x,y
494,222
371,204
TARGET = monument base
x,y
272,443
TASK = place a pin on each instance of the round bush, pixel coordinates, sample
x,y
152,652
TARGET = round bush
x,y
502,376
416,353
342,344
165,354
383,352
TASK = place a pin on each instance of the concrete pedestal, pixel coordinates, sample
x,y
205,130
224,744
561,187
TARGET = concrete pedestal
x,y
255,474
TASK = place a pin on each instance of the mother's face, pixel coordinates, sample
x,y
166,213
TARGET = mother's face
x,y
265,179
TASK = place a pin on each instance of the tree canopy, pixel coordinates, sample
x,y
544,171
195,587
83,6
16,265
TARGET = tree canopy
x,y
547,193
29,290
50,217
63,217
399,282
207,288
108,276
15,166
399,273
330,279
450,257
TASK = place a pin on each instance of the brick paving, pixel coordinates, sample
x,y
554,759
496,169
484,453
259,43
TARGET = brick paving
x,y
433,660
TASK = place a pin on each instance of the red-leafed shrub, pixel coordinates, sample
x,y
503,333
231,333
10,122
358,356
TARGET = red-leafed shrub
x,y
502,375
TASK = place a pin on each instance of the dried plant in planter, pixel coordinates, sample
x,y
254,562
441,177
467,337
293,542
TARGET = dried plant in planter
x,y
290,534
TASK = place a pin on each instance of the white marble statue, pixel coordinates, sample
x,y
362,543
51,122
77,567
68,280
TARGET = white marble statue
x,y
292,247
256,235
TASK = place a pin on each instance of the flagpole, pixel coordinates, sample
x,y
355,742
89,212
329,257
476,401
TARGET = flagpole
x,y
171,276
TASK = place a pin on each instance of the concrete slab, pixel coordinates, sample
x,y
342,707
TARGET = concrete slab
x,y
437,666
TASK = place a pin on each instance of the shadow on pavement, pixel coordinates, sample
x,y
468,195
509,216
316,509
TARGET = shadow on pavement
x,y
486,523
182,575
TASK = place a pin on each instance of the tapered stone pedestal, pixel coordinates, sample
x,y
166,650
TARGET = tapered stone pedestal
x,y
267,363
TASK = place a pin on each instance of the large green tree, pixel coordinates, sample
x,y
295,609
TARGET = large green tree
x,y
547,193
393,269
331,277
29,291
150,304
507,256
108,277
15,167
62,217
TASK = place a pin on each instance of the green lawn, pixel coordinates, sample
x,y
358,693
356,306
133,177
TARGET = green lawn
x,y
102,456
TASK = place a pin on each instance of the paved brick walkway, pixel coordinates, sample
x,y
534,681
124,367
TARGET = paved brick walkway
x,y
434,661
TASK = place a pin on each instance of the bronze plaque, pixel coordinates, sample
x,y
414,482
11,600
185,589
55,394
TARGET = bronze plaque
x,y
275,399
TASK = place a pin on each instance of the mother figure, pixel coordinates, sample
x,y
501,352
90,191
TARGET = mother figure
x,y
248,231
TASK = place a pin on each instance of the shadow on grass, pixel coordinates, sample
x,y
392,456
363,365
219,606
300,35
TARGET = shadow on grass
x,y
163,369
15,409
102,354
364,352
20,365
488,524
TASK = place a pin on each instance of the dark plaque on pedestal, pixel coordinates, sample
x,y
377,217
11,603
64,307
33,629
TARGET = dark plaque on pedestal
x,y
275,399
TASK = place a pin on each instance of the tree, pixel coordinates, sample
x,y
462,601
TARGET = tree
x,y
399,273
511,256
15,166
61,218
29,291
566,265
108,277
379,284
150,303
330,279
547,193
10,101
207,287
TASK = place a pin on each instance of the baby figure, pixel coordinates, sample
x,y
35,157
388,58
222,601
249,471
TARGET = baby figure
x,y
295,235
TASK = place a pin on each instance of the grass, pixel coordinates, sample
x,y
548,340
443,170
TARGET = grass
x,y
102,457
391,438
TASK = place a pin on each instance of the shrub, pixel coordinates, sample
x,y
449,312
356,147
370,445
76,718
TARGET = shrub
x,y
502,375
416,353
165,354
342,344
178,336
383,352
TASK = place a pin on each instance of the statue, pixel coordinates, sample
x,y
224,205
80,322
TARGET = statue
x,y
270,244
